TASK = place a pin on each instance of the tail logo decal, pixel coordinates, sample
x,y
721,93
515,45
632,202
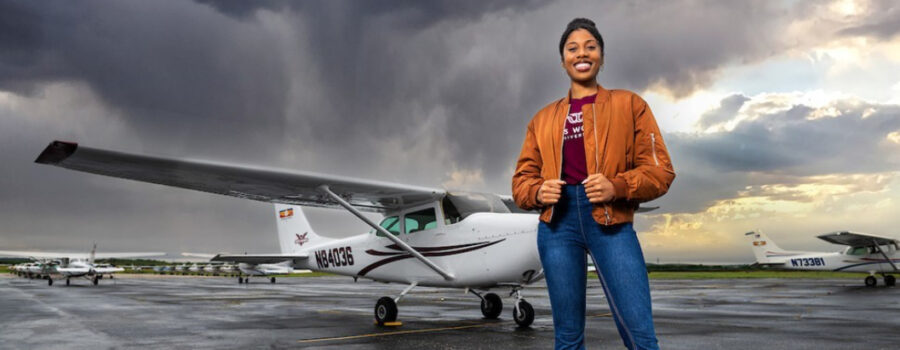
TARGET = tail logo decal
x,y
301,238
286,214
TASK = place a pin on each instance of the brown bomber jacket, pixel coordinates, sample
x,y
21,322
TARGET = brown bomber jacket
x,y
621,141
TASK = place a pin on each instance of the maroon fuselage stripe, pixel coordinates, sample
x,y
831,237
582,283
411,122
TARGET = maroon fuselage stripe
x,y
431,252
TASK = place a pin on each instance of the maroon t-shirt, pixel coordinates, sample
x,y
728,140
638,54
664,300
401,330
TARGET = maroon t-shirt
x,y
574,161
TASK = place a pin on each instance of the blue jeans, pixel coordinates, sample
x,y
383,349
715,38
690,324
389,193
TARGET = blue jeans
x,y
617,255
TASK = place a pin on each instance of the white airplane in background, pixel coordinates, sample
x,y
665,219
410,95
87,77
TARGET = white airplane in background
x,y
864,253
68,265
265,269
428,237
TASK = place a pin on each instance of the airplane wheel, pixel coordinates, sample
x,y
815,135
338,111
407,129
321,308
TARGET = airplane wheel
x,y
96,280
68,282
385,310
49,281
871,281
890,281
491,306
111,277
526,317
240,280
273,279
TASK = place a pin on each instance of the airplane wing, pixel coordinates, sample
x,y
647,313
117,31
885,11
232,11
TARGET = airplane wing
x,y
857,240
255,183
57,255
258,258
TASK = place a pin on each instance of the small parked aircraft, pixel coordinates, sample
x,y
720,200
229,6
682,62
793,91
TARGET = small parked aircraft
x,y
864,253
428,237
265,269
70,265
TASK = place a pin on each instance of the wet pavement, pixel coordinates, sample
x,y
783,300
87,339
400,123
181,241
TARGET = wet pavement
x,y
147,311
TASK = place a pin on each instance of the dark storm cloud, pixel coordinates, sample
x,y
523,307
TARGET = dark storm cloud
x,y
790,142
785,148
402,91
884,24
728,108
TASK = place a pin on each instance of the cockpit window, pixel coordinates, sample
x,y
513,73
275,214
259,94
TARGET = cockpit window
x,y
858,251
421,220
458,206
391,224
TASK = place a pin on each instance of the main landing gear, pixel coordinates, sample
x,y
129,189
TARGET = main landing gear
x,y
889,280
386,307
492,306
96,280
272,280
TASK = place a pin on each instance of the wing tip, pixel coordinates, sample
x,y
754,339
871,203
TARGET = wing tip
x,y
56,152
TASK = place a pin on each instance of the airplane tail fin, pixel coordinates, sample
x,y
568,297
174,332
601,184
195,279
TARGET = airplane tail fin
x,y
93,254
764,249
294,230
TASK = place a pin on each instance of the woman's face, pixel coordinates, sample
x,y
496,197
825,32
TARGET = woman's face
x,y
582,56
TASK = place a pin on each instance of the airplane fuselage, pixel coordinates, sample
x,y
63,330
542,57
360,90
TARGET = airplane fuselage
x,y
482,251
838,261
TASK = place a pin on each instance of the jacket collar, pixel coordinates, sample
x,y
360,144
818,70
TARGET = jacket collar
x,y
602,95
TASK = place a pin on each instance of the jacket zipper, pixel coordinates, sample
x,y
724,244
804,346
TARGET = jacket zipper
x,y
597,156
653,147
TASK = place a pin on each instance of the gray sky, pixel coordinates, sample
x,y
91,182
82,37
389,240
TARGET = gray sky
x,y
779,115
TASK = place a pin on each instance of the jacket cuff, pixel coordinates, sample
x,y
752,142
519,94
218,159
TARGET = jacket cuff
x,y
621,187
537,190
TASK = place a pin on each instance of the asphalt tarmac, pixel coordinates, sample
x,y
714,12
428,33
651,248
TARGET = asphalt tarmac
x,y
150,312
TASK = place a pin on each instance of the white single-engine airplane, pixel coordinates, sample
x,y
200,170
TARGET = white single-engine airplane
x,y
68,265
864,253
428,237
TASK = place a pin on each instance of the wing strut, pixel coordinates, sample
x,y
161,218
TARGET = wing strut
x,y
324,189
884,255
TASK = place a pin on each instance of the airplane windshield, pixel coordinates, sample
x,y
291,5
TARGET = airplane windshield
x,y
458,206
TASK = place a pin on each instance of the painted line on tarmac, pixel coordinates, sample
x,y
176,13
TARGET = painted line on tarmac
x,y
384,334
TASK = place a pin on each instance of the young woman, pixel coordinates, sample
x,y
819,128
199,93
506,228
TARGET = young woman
x,y
587,161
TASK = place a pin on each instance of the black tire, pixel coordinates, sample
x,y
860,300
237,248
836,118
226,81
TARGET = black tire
x,y
871,281
890,280
68,281
49,281
273,279
491,306
385,310
111,277
240,280
96,280
524,319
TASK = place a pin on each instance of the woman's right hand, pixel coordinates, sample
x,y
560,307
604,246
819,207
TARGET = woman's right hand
x,y
550,192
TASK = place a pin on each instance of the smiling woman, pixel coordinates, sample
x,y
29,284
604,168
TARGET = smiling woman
x,y
588,160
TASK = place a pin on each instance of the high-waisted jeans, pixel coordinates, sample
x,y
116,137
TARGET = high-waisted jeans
x,y
563,245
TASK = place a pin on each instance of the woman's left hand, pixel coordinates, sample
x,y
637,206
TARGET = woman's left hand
x,y
599,189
